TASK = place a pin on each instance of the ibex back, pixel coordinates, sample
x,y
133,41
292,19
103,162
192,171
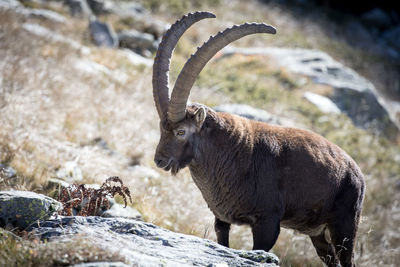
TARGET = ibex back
x,y
251,172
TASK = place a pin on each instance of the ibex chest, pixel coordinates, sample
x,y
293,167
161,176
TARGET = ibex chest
x,y
229,200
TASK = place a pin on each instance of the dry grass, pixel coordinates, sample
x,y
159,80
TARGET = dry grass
x,y
55,100
16,251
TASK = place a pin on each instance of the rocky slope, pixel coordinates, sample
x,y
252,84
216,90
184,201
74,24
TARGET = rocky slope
x,y
137,242
78,110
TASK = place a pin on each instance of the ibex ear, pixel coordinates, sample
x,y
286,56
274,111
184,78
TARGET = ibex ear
x,y
200,117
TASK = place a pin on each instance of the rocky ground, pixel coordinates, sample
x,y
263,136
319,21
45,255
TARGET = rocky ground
x,y
76,107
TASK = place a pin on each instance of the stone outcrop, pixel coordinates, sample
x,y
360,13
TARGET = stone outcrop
x,y
249,112
141,43
140,243
102,34
22,208
145,244
352,94
78,8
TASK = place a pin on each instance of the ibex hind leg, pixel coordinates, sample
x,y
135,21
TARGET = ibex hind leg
x,y
325,249
343,234
343,228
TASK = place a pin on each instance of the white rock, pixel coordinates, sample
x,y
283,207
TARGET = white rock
x,y
118,210
70,172
249,112
143,172
91,67
322,103
137,59
41,31
47,14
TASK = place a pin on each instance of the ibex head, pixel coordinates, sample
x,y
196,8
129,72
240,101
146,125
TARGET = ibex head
x,y
180,125
177,142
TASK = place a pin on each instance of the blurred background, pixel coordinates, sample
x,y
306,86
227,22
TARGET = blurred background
x,y
76,100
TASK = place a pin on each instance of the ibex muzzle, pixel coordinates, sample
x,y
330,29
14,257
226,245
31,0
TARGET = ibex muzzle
x,y
251,172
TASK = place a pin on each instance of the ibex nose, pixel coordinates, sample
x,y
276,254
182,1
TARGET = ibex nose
x,y
159,161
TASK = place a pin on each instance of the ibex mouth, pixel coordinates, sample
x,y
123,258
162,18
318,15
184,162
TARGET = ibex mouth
x,y
169,165
173,166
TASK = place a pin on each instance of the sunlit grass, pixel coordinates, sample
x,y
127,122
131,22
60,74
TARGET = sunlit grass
x,y
16,251
53,111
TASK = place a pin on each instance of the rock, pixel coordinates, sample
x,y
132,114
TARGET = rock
x,y
118,211
70,172
377,18
323,103
102,34
155,27
78,8
249,112
392,36
357,34
32,12
57,183
145,244
6,172
136,59
139,42
47,15
41,31
91,67
125,9
101,264
100,7
143,172
353,94
23,208
10,4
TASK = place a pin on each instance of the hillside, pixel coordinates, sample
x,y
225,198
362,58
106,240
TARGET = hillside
x,y
66,102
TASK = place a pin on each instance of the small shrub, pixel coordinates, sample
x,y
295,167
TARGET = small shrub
x,y
90,201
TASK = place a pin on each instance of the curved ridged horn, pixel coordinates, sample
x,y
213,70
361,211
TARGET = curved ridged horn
x,y
192,68
163,56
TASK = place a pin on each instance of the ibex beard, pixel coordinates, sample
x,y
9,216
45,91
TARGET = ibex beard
x,y
251,172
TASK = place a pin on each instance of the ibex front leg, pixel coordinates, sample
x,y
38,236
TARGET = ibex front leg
x,y
222,231
265,233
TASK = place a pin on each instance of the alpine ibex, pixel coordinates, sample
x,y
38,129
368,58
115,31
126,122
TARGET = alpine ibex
x,y
250,172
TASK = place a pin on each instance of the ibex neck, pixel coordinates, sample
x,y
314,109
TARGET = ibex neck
x,y
225,141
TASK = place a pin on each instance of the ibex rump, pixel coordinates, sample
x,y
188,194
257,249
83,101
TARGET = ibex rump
x,y
251,172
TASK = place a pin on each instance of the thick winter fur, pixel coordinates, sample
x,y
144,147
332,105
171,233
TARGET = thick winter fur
x,y
268,176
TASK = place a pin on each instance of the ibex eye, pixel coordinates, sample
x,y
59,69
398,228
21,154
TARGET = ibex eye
x,y
180,132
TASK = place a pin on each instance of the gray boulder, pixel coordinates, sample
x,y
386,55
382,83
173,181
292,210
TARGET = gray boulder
x,y
100,7
46,14
44,32
102,34
6,172
144,244
78,8
392,36
10,4
353,94
377,17
127,9
23,208
249,112
139,42
101,264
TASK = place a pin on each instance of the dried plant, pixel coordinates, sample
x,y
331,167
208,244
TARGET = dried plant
x,y
79,200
